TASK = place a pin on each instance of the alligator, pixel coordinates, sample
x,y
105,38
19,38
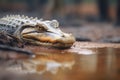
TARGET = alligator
x,y
36,31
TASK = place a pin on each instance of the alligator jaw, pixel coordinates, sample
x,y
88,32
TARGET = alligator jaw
x,y
50,39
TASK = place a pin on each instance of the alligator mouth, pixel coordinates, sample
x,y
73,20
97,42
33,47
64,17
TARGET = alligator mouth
x,y
48,39
47,43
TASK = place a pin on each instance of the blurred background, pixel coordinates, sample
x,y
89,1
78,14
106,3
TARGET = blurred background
x,y
83,18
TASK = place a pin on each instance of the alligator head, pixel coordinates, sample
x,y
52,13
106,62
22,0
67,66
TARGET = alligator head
x,y
46,33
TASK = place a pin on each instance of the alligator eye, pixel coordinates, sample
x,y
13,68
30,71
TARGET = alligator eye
x,y
41,28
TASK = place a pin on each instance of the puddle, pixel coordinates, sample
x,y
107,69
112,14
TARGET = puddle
x,y
85,64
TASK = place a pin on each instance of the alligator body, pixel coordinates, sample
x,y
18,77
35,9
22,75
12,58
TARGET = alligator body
x,y
36,31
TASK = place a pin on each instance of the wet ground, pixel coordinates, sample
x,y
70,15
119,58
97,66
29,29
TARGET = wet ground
x,y
84,61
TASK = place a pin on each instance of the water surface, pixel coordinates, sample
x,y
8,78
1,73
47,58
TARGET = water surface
x,y
84,64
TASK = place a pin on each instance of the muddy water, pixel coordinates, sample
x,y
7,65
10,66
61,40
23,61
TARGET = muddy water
x,y
84,64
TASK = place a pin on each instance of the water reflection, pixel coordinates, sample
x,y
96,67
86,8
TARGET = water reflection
x,y
83,51
88,63
78,64
48,62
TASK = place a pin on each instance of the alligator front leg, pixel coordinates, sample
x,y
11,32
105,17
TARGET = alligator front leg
x,y
15,49
11,43
9,40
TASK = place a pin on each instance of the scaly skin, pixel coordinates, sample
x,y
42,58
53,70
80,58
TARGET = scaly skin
x,y
36,31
